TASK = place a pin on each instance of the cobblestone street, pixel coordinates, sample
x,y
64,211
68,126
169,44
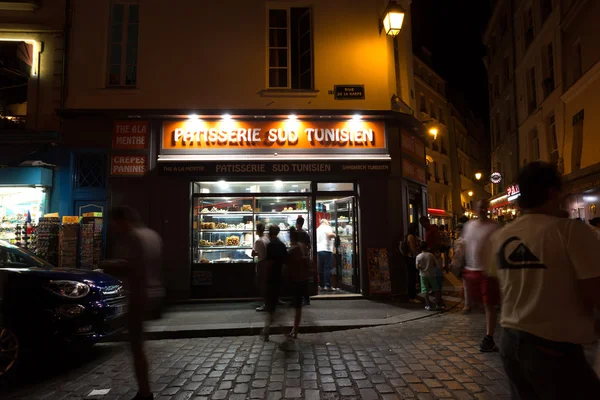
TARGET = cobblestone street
x,y
432,358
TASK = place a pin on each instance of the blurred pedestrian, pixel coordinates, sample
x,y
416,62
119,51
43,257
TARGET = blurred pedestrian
x,y
304,238
325,238
276,258
458,252
260,253
297,274
549,274
478,285
138,259
409,248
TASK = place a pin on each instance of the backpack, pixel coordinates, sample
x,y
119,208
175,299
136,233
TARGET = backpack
x,y
405,247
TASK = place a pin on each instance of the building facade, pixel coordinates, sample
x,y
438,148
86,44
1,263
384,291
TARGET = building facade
x,y
501,62
207,131
430,93
35,177
550,83
577,144
457,148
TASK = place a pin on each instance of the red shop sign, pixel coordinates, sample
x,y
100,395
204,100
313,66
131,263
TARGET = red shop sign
x,y
130,135
513,190
128,165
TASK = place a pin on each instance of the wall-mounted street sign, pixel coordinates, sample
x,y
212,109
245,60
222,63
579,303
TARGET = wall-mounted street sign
x,y
349,92
496,177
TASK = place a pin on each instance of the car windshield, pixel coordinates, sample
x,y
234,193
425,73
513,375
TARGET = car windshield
x,y
12,256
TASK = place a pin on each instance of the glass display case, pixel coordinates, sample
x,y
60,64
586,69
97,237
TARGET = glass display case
x,y
224,227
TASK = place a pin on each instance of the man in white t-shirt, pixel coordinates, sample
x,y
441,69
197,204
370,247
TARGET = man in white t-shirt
x,y
550,279
325,238
479,286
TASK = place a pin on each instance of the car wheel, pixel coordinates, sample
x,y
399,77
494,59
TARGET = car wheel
x,y
10,349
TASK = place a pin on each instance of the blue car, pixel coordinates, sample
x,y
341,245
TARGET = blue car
x,y
41,304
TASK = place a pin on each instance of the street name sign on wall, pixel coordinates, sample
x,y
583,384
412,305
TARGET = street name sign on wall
x,y
349,92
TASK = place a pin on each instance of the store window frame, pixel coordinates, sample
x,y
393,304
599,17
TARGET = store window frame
x,y
313,195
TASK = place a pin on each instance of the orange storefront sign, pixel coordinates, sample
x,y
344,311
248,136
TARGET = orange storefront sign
x,y
231,135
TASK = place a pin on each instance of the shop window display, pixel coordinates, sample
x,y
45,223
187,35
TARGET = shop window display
x,y
225,227
20,209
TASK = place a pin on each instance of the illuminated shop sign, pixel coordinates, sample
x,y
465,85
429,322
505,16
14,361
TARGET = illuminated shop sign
x,y
513,192
281,135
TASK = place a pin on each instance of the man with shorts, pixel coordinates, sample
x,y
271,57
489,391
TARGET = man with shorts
x,y
427,264
479,286
548,270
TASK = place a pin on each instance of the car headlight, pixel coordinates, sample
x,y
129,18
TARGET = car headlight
x,y
69,289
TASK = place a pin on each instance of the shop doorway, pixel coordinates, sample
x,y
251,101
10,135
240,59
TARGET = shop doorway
x,y
341,216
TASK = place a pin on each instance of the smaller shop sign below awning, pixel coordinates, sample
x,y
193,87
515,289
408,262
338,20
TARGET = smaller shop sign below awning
x,y
26,176
284,166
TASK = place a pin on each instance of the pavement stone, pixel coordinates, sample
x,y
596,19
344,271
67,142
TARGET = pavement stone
x,y
432,358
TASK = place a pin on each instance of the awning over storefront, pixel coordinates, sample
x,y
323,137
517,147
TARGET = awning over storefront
x,y
439,213
26,176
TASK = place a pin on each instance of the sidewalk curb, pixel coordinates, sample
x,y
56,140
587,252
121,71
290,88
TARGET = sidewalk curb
x,y
223,330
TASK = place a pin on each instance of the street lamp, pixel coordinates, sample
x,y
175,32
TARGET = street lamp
x,y
478,175
433,131
392,19
470,193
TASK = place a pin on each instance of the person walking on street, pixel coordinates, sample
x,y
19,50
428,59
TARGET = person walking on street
x,y
325,238
427,263
138,260
549,276
297,274
276,258
458,252
304,238
260,252
479,286
410,249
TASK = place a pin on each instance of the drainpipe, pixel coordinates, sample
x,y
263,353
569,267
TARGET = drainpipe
x,y
65,68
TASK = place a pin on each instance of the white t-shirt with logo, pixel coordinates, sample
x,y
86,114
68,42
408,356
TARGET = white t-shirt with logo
x,y
476,234
324,242
538,260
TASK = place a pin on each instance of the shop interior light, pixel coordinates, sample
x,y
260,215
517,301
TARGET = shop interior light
x,y
223,184
294,186
226,117
278,184
292,117
193,116
356,117
35,49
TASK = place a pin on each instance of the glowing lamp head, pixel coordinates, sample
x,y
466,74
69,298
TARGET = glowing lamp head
x,y
478,175
470,193
393,16
433,132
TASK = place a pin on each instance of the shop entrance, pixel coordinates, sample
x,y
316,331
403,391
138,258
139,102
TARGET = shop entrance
x,y
340,214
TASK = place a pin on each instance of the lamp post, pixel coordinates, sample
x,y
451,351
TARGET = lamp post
x,y
393,17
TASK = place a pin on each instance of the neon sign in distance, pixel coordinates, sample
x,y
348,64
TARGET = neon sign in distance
x,y
496,177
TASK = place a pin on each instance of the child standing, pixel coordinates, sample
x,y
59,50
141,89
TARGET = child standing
x,y
427,264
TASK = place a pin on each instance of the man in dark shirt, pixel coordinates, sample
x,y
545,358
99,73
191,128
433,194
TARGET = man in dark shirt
x,y
276,257
432,235
303,238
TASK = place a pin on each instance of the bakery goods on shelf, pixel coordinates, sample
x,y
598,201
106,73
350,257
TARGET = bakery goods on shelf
x,y
247,207
232,241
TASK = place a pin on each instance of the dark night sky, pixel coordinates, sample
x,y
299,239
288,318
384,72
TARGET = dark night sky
x,y
452,31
